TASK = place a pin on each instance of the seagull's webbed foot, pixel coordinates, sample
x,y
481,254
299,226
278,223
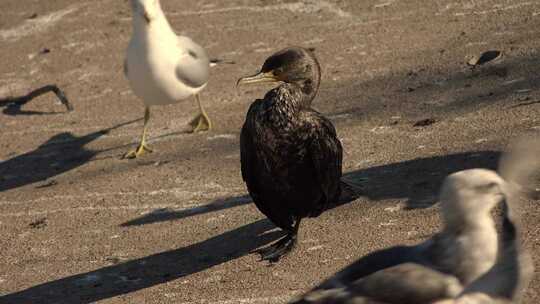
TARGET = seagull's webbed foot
x,y
141,149
200,123
279,249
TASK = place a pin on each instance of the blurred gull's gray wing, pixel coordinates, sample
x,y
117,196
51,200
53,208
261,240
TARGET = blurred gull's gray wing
x,y
374,262
193,67
405,283
333,296
336,288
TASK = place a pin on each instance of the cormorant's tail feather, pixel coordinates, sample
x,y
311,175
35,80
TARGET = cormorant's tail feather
x,y
216,61
349,192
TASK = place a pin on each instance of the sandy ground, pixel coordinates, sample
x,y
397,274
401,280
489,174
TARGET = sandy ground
x,y
80,225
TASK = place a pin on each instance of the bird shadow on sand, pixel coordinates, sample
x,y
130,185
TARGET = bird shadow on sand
x,y
60,153
138,274
418,180
13,105
162,215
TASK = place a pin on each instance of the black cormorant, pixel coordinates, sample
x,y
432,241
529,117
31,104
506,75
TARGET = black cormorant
x,y
290,153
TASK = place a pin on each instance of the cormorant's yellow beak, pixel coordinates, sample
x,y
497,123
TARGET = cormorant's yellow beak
x,y
258,78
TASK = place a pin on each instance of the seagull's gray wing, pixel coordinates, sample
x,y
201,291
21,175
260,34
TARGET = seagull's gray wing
x,y
193,67
405,283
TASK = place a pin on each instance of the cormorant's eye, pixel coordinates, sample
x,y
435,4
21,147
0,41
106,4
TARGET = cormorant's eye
x,y
277,71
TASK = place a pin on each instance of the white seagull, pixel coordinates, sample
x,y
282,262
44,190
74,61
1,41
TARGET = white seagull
x,y
163,68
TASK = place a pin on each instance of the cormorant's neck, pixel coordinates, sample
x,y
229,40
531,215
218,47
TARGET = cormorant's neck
x,y
310,86
296,95
309,89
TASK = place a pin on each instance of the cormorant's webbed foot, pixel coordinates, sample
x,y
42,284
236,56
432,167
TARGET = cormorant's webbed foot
x,y
279,249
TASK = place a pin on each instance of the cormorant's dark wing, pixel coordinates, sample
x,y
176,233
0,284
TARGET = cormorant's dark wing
x,y
248,150
253,165
246,153
326,153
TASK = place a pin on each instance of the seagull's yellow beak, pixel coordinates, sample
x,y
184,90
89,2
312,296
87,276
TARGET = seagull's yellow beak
x,y
258,78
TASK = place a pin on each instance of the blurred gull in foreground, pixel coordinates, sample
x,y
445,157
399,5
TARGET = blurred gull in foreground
x,y
461,264
464,250
163,68
414,283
